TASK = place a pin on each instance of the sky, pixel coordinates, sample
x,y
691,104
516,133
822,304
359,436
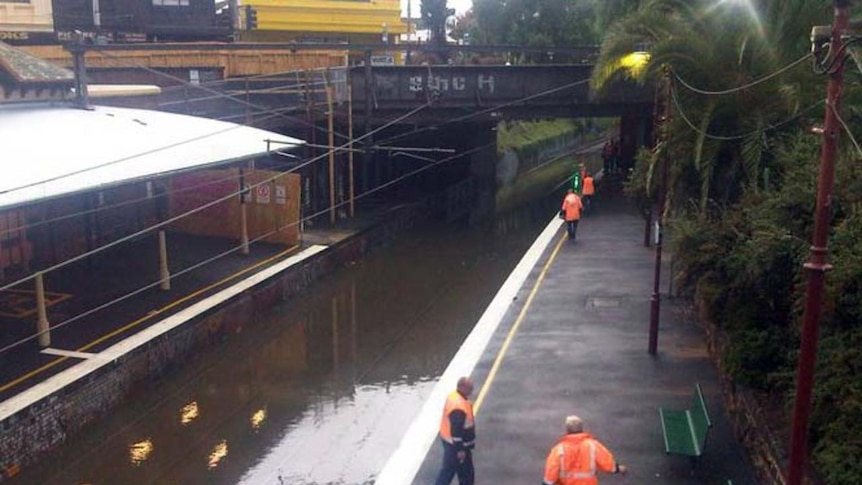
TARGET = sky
x,y
460,6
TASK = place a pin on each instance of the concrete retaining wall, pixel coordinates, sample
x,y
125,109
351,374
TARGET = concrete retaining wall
x,y
32,432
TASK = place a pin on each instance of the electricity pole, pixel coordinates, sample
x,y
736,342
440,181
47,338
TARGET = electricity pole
x,y
817,266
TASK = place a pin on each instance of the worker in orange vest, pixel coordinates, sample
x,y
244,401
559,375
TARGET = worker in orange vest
x,y
578,457
571,212
458,435
588,192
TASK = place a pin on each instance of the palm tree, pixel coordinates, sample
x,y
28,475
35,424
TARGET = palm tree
x,y
720,144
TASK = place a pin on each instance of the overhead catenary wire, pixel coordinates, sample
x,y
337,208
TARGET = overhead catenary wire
x,y
199,372
228,178
123,159
232,249
484,111
744,86
343,147
237,99
207,205
128,202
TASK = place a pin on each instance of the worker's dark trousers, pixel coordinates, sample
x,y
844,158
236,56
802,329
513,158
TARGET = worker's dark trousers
x,y
572,228
451,466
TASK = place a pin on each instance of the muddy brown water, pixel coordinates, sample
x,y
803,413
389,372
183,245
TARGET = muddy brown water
x,y
320,389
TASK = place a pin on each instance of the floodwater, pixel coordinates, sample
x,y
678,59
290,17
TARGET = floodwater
x,y
319,390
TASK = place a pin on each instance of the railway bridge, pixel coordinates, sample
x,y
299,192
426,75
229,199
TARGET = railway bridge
x,y
451,106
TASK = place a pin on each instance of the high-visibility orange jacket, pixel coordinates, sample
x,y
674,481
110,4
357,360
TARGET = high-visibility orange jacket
x,y
576,460
457,427
589,187
572,207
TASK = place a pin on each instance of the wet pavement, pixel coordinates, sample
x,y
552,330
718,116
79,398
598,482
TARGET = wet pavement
x,y
581,348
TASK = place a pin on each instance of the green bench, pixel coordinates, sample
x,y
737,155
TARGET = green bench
x,y
685,431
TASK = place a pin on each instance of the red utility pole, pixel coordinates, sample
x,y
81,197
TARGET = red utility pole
x,y
817,265
655,300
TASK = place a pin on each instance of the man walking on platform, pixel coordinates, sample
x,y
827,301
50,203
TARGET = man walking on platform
x,y
578,457
571,212
588,192
458,435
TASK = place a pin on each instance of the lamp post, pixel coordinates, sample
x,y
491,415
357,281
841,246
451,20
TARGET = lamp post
x,y
817,266
664,137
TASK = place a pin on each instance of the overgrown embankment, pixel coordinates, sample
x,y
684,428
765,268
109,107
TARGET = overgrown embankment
x,y
535,157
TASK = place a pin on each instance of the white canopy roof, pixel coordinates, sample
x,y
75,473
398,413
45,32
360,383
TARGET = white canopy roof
x,y
47,151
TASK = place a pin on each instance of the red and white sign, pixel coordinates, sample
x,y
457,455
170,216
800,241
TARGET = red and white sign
x,y
262,194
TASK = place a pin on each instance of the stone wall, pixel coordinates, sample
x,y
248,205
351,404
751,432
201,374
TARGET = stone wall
x,y
31,433
750,420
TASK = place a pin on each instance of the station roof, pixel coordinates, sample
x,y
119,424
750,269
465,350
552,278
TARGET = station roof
x,y
24,68
49,151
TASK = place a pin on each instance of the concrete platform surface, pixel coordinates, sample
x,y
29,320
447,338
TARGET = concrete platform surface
x,y
578,345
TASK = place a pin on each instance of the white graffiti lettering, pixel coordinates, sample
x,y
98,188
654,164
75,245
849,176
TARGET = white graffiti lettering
x,y
415,84
484,82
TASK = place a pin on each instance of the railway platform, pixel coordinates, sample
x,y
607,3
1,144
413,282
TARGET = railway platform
x,y
568,334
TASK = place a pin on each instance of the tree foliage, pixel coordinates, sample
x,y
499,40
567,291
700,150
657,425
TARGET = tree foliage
x,y
532,23
434,14
744,167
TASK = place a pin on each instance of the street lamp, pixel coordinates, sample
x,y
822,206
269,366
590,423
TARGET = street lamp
x,y
664,140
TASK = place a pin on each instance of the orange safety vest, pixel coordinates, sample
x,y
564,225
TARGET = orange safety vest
x,y
572,207
576,460
456,402
589,188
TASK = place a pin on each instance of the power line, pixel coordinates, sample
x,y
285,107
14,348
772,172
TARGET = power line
x,y
235,248
121,160
487,110
297,119
207,205
846,129
742,136
744,86
429,128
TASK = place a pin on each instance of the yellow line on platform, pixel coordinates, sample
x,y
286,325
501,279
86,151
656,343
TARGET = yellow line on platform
x,y
500,355
137,322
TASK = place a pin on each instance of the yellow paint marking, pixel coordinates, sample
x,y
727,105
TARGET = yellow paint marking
x,y
499,360
137,322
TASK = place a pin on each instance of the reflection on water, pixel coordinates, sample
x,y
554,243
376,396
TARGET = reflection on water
x,y
320,389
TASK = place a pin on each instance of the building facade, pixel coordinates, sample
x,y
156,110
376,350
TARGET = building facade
x,y
26,21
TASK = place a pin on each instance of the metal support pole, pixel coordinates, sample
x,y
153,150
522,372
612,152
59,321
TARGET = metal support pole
x,y
97,15
43,327
655,299
164,272
243,214
82,97
369,139
335,343
817,265
351,182
233,6
330,122
647,227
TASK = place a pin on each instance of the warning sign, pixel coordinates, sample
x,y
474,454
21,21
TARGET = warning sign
x,y
262,193
280,194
